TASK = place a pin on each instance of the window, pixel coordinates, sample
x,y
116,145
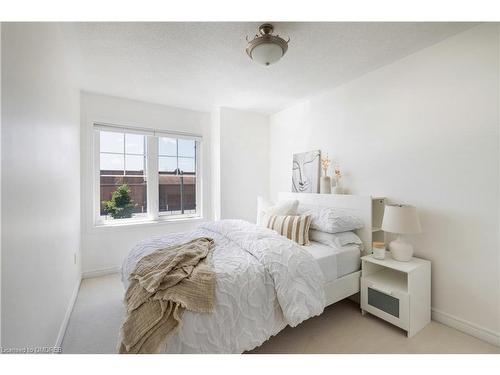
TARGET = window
x,y
177,176
122,164
145,175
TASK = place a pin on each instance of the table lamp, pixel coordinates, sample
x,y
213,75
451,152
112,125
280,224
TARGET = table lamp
x,y
401,219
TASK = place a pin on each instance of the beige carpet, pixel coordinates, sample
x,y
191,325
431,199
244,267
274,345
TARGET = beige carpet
x,y
96,319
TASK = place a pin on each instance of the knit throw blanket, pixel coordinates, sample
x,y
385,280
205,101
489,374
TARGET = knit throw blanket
x,y
164,284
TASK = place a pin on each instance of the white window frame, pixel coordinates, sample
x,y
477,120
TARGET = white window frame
x,y
152,175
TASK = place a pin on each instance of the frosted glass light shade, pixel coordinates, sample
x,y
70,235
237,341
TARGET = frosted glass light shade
x,y
267,53
401,219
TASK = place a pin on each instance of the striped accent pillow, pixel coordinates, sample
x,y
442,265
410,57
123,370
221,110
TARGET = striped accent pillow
x,y
296,228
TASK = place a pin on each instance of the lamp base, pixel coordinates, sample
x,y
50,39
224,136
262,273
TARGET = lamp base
x,y
400,250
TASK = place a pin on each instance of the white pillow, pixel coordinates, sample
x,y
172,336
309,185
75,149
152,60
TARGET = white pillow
x,y
266,208
335,239
330,220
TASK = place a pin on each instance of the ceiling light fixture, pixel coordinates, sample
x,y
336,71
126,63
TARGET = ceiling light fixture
x,y
266,49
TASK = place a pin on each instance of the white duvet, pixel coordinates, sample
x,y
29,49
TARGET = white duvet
x,y
263,283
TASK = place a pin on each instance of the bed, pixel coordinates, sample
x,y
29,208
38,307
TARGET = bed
x,y
335,262
360,206
264,281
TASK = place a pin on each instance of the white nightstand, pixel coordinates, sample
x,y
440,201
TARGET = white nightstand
x,y
398,292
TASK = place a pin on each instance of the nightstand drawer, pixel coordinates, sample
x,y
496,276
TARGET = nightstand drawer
x,y
386,302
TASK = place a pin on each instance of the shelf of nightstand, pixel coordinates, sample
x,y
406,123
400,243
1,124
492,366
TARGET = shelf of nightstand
x,y
389,279
389,262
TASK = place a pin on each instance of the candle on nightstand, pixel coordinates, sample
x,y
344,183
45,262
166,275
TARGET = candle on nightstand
x,y
378,250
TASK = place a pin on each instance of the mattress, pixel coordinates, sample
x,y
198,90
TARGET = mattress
x,y
335,262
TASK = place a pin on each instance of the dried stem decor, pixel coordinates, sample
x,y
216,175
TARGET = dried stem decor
x,y
325,164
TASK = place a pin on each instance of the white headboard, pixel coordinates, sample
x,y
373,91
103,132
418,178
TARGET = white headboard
x,y
358,205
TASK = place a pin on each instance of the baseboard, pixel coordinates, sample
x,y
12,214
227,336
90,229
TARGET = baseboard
x,y
466,327
67,315
100,272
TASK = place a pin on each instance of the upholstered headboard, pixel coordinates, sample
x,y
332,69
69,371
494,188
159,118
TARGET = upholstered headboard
x,y
358,205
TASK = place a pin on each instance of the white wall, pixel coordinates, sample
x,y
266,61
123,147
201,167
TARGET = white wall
x,y
215,159
498,235
105,248
0,184
40,185
424,131
244,162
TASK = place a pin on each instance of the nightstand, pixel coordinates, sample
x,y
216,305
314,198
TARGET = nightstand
x,y
398,292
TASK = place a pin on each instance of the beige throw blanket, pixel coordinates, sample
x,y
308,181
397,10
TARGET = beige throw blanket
x,y
163,284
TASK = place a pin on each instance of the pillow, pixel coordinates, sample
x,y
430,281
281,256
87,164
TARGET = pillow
x,y
330,220
266,208
335,239
295,228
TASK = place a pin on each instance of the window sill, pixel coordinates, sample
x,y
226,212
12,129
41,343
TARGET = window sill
x,y
147,223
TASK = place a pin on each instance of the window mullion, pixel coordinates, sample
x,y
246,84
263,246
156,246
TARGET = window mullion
x,y
198,177
152,178
124,156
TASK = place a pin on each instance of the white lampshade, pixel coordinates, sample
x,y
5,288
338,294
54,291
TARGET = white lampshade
x,y
267,53
401,219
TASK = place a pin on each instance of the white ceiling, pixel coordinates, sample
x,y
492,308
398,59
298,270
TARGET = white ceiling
x,y
204,65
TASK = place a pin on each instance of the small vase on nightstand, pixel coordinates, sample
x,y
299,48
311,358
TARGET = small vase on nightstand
x,y
325,185
338,175
337,189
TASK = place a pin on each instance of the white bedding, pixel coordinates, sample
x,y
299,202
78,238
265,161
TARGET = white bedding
x,y
263,282
335,262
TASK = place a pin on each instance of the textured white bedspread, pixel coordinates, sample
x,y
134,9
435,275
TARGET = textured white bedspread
x,y
263,282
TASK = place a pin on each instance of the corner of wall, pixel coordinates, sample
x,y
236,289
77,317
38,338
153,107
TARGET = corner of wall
x,y
0,184
215,162
498,215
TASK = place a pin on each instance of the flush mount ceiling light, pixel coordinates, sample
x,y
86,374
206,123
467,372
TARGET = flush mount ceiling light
x,y
266,49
